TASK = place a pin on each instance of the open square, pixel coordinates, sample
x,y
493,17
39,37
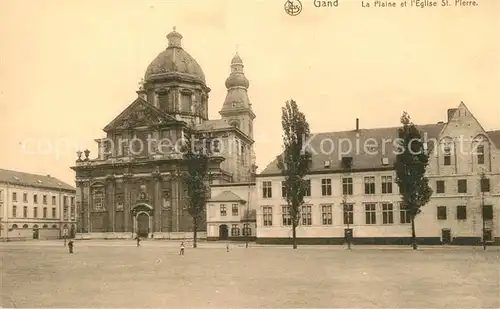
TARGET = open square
x,y
117,274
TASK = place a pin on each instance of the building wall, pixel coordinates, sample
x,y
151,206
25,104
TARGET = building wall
x,y
214,219
463,133
49,225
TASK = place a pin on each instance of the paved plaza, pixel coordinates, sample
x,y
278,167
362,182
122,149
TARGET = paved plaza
x,y
116,274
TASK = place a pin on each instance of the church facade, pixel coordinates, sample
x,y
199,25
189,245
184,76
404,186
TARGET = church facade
x,y
133,187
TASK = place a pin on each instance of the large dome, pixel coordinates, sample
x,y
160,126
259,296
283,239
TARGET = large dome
x,y
174,61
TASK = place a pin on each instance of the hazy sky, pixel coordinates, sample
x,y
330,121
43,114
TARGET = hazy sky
x,y
67,68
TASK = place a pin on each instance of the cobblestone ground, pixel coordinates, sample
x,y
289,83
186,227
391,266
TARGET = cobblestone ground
x,y
116,274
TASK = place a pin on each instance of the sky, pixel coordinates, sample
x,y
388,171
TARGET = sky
x,y
67,68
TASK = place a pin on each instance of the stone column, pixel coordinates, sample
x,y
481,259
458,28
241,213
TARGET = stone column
x,y
176,202
83,208
110,201
86,197
91,206
157,201
126,202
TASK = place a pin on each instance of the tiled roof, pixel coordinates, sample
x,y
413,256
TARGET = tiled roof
x,y
362,159
33,180
495,137
226,196
213,124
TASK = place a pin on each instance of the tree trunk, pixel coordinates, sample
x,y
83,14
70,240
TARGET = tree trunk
x,y
195,233
413,236
294,235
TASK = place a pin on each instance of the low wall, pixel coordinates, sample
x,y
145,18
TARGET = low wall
x,y
129,235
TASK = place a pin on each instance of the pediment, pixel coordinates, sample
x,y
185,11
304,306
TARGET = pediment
x,y
139,114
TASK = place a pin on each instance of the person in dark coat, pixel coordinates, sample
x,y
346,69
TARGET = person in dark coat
x,y
70,246
138,241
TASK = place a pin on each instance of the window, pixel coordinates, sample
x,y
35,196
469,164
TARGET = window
x,y
267,216
306,215
44,199
369,185
1,195
462,186
348,210
347,186
326,187
386,184
267,190
326,214
98,200
14,196
25,211
53,200
285,216
119,202
25,197
247,231
370,213
35,199
487,235
235,230
72,201
440,186
480,154
404,214
72,214
485,185
441,212
387,213
14,226
35,212
25,226
283,188
235,209
65,200
45,212
461,212
488,212
307,191
14,211
53,212
447,156
223,211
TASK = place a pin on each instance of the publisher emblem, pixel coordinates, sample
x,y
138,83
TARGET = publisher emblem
x,y
293,7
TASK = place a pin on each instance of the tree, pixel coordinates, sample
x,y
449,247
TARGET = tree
x,y
196,155
294,162
411,163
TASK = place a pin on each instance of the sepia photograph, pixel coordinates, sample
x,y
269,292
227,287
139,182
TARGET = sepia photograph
x,y
250,154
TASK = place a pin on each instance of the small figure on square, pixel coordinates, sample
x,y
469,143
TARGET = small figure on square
x,y
70,246
182,249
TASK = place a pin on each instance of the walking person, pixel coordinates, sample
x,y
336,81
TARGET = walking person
x,y
182,249
138,241
70,246
227,247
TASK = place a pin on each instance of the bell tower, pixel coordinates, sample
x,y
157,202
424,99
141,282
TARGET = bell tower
x,y
237,109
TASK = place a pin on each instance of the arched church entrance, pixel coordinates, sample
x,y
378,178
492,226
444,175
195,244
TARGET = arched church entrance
x,y
223,232
143,219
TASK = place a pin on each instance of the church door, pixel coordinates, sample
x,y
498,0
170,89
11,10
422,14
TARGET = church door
x,y
142,225
223,232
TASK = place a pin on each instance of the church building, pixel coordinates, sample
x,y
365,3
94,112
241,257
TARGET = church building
x,y
133,186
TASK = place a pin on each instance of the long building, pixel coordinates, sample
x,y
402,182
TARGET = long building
x,y
354,189
35,207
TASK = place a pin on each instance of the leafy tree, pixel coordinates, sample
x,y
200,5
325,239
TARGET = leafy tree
x,y
294,162
196,155
411,164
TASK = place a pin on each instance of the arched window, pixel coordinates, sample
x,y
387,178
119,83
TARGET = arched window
x,y
247,231
235,230
35,226
98,199
25,226
45,226
54,226
14,226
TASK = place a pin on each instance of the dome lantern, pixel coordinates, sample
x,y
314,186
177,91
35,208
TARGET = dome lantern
x,y
174,39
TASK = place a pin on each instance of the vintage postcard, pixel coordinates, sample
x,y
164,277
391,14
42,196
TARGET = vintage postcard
x,y
250,154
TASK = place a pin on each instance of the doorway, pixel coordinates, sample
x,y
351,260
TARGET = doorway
x,y
487,236
446,236
223,232
142,225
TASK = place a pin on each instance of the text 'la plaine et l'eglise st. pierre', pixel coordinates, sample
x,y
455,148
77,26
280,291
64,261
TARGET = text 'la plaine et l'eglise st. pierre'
x,y
418,3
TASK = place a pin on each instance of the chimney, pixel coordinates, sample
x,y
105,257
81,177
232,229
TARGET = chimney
x,y
357,124
451,112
